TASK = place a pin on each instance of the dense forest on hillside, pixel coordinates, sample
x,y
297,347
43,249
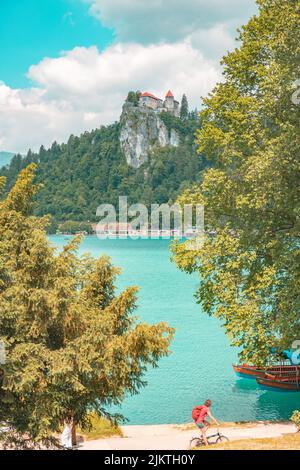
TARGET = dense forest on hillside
x,y
90,170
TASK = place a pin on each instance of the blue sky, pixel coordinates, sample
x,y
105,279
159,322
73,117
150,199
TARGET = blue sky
x,y
33,29
67,65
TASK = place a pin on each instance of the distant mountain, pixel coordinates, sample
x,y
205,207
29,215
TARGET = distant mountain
x,y
5,158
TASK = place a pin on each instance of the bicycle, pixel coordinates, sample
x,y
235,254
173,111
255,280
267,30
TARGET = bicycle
x,y
213,439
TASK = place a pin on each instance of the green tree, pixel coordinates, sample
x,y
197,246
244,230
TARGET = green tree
x,y
250,276
72,343
133,97
184,109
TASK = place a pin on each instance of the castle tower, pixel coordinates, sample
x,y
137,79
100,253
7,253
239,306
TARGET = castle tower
x,y
169,101
171,105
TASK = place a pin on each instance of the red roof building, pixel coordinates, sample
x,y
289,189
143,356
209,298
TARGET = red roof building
x,y
151,101
149,95
169,94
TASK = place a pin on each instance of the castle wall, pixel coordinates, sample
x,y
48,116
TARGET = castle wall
x,y
176,109
150,102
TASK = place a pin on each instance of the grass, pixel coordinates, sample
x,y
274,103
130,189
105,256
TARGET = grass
x,y
229,424
288,442
101,428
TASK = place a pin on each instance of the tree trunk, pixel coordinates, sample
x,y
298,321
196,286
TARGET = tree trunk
x,y
73,431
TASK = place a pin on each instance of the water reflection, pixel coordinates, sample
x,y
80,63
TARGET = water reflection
x,y
277,405
266,405
245,385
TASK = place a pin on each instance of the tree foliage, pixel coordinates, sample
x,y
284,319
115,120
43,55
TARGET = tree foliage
x,y
295,418
72,343
133,97
250,131
184,108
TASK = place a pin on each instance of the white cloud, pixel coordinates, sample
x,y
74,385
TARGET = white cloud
x,y
169,20
85,88
160,45
213,42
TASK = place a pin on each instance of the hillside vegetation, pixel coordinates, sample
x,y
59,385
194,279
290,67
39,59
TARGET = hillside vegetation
x,y
91,169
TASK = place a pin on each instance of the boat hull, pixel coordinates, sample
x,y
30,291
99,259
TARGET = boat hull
x,y
248,372
251,372
278,385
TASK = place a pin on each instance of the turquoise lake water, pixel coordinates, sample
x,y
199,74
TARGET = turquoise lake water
x,y
200,364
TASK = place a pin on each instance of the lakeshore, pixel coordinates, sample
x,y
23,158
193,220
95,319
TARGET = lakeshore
x,y
174,437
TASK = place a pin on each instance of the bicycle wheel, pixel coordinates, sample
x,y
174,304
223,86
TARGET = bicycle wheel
x,y
221,438
196,442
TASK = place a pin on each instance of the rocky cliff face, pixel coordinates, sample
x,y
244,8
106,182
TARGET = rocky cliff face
x,y
141,130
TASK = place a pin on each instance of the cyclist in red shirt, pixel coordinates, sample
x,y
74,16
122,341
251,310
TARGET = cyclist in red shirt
x,y
201,422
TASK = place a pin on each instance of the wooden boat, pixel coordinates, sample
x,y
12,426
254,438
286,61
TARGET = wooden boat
x,y
283,384
252,372
248,372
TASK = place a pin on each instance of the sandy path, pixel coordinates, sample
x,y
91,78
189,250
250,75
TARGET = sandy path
x,y
171,437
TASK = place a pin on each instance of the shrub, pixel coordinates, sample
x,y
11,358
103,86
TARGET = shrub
x,y
100,428
296,419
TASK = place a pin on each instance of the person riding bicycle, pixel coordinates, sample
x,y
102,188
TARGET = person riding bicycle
x,y
199,414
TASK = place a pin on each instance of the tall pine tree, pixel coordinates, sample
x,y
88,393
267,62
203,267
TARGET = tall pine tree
x,y
184,109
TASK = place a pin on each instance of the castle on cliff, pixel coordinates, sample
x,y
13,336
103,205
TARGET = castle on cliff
x,y
169,104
